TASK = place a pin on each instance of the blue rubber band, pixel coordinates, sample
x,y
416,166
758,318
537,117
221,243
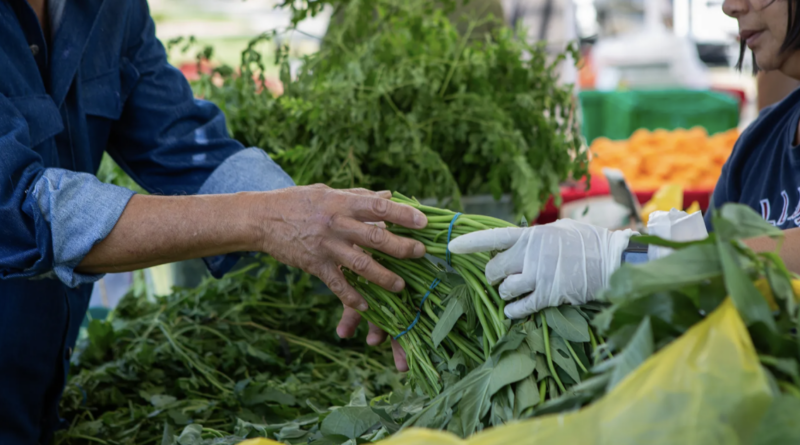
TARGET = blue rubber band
x,y
449,234
436,281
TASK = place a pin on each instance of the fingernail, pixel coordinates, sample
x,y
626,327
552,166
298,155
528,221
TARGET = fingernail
x,y
420,220
398,285
419,250
385,192
362,307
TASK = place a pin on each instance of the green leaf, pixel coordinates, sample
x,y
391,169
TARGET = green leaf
x,y
179,417
738,222
787,366
260,393
510,341
686,267
191,435
567,323
261,355
562,357
502,407
358,398
657,241
752,306
453,279
511,368
779,279
639,349
779,426
535,338
542,370
455,361
167,437
473,394
447,320
350,421
526,395
161,401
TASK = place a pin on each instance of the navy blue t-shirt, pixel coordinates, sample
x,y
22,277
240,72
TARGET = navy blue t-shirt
x,y
763,171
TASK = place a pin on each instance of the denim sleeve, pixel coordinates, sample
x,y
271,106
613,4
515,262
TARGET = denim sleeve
x,y
49,218
250,170
81,212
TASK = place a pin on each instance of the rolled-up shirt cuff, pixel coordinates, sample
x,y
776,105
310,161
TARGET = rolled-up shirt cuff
x,y
250,170
81,212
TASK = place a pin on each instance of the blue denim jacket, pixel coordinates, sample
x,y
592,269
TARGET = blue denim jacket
x,y
100,83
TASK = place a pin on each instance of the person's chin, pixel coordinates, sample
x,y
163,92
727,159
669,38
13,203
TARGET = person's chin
x,y
766,61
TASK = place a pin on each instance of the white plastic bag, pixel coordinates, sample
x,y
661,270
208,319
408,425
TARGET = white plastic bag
x,y
675,225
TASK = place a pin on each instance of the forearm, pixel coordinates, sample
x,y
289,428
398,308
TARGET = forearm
x,y
790,248
156,230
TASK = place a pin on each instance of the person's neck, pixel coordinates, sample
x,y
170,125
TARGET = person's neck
x,y
791,67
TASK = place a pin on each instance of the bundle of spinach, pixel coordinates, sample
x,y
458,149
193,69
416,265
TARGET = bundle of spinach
x,y
460,325
397,99
256,347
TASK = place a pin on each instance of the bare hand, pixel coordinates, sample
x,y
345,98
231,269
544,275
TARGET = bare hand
x,y
315,227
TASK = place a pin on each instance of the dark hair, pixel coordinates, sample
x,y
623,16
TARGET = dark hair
x,y
792,40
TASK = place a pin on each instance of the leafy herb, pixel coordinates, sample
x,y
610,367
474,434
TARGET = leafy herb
x,y
397,99
256,348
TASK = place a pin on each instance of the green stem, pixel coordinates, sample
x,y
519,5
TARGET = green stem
x,y
575,356
542,390
593,340
548,354
788,388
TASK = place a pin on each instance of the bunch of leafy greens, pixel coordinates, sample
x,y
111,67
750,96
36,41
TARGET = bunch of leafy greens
x,y
256,347
461,327
397,99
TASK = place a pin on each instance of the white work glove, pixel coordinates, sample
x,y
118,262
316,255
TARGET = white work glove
x,y
550,265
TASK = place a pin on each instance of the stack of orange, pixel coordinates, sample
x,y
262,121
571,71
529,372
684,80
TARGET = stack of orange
x,y
689,158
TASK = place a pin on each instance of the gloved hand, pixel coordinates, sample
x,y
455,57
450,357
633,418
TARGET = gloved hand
x,y
550,265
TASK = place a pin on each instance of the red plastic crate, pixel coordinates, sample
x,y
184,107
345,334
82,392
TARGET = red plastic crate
x,y
599,187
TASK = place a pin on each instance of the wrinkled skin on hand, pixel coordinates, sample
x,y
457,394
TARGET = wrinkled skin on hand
x,y
316,228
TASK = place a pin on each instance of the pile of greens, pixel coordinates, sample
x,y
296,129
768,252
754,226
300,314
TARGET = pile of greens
x,y
397,99
257,347
253,354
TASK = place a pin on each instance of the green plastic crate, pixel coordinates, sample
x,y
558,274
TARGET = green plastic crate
x,y
592,110
616,115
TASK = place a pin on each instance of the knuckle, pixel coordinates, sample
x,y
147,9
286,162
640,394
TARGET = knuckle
x,y
407,249
380,207
377,236
337,286
361,263
333,221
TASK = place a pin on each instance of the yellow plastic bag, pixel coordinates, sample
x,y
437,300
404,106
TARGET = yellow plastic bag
x,y
705,388
259,441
